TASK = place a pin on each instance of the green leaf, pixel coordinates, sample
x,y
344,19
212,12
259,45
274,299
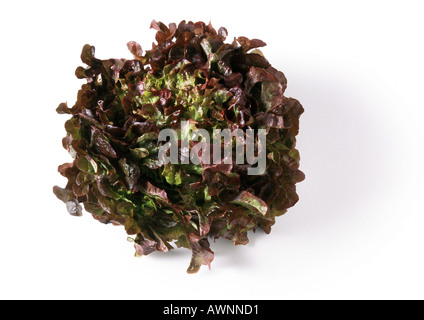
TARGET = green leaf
x,y
73,127
131,226
249,201
139,153
222,96
106,189
172,175
86,164
147,136
125,209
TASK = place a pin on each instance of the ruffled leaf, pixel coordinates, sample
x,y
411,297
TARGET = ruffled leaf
x,y
190,74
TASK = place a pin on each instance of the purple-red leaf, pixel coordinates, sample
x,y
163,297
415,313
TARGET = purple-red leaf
x,y
189,79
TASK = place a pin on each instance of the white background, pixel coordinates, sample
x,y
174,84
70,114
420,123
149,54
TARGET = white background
x,y
358,230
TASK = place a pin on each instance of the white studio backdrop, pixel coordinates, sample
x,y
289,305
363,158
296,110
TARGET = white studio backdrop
x,y
358,229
